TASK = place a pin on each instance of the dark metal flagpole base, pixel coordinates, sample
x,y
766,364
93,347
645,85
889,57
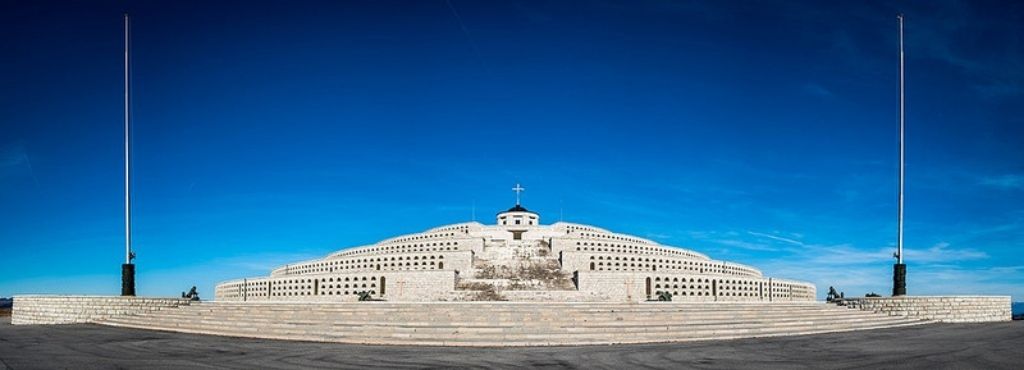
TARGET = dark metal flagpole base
x,y
899,279
128,280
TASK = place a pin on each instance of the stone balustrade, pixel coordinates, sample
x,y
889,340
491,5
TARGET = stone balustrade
x,y
83,309
954,309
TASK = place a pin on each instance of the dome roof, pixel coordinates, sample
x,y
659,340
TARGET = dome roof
x,y
518,208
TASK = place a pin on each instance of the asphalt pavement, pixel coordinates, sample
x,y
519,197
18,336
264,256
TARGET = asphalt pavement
x,y
933,346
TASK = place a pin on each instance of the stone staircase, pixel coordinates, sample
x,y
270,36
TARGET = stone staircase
x,y
516,271
506,323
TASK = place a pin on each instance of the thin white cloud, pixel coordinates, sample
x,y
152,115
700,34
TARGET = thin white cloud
x,y
1009,182
658,236
205,276
998,280
864,270
816,90
778,238
264,262
14,161
13,156
744,245
942,253
731,239
923,279
843,255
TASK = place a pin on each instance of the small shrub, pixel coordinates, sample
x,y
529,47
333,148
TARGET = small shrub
x,y
476,286
489,294
665,296
494,272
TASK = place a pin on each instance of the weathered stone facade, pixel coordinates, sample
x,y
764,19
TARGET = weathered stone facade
x,y
83,309
517,258
942,309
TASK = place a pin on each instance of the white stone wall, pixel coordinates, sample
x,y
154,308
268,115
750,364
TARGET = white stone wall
x,y
619,287
390,285
638,286
423,258
617,261
420,286
957,309
622,261
83,309
576,243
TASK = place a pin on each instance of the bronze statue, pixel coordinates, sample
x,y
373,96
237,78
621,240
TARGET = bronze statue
x,y
191,295
833,296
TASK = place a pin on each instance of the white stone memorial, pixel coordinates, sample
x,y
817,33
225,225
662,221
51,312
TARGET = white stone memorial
x,y
517,259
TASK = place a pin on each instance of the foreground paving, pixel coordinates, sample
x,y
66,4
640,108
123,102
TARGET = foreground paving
x,y
937,346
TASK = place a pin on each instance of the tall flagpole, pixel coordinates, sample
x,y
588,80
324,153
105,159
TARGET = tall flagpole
x,y
127,148
127,269
900,269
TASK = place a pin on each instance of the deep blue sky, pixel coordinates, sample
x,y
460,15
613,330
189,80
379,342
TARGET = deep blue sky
x,y
757,132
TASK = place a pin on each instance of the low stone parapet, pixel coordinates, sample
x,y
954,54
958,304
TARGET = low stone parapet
x,y
83,309
955,309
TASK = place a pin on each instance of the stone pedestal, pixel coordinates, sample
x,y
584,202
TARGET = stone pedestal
x,y
899,279
128,280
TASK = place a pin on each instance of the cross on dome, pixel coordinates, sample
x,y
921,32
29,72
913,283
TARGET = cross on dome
x,y
518,189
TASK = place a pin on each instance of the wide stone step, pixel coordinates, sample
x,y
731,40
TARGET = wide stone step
x,y
472,310
469,311
525,316
551,305
257,321
459,317
332,327
482,324
518,320
490,305
316,301
448,317
517,339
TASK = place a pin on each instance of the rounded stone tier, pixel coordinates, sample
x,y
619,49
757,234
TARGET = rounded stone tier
x,y
515,259
504,324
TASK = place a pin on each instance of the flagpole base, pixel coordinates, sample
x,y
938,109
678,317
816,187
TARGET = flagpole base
x,y
128,280
899,279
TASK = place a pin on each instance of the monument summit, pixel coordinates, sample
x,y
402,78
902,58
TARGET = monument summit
x,y
517,258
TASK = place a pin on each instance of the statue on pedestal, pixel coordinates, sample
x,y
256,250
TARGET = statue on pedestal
x,y
191,295
834,296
